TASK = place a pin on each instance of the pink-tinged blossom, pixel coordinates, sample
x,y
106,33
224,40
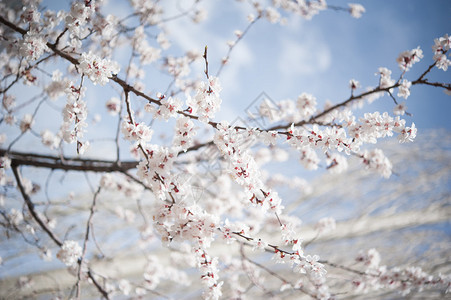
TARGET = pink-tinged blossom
x,y
147,54
259,245
155,170
30,14
5,163
33,46
356,10
77,18
371,259
336,163
168,108
69,253
309,158
354,84
207,100
97,69
385,78
178,66
184,133
243,167
268,137
136,132
113,106
9,102
442,61
58,85
377,161
268,110
74,115
49,139
400,109
306,105
442,45
408,134
406,59
404,88
272,15
26,122
148,11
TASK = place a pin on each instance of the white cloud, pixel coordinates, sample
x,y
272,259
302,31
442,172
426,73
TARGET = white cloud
x,y
309,57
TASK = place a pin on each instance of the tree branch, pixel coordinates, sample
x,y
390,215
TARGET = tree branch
x,y
30,206
66,163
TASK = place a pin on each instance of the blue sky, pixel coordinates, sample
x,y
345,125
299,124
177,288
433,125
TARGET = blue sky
x,y
318,56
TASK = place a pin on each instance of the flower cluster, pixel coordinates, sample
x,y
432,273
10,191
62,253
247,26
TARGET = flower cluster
x,y
139,133
405,280
178,67
155,273
243,167
76,20
209,269
148,11
376,125
123,185
74,113
385,79
306,105
49,139
328,139
184,133
441,46
69,253
180,222
303,8
58,86
404,88
147,54
206,102
407,58
97,69
168,108
26,122
155,170
33,46
288,110
376,160
336,163
113,106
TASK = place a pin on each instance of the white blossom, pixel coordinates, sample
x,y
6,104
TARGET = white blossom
x,y
404,89
207,100
113,106
356,10
407,58
97,69
26,122
69,253
33,46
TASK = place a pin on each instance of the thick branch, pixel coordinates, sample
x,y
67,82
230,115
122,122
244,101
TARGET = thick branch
x,y
68,164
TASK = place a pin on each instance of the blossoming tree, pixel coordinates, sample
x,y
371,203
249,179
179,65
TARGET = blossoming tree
x,y
203,201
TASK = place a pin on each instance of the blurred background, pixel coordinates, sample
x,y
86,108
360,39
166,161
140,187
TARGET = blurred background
x,y
406,217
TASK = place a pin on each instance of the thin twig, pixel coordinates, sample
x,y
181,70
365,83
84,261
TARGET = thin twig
x,y
30,206
85,243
